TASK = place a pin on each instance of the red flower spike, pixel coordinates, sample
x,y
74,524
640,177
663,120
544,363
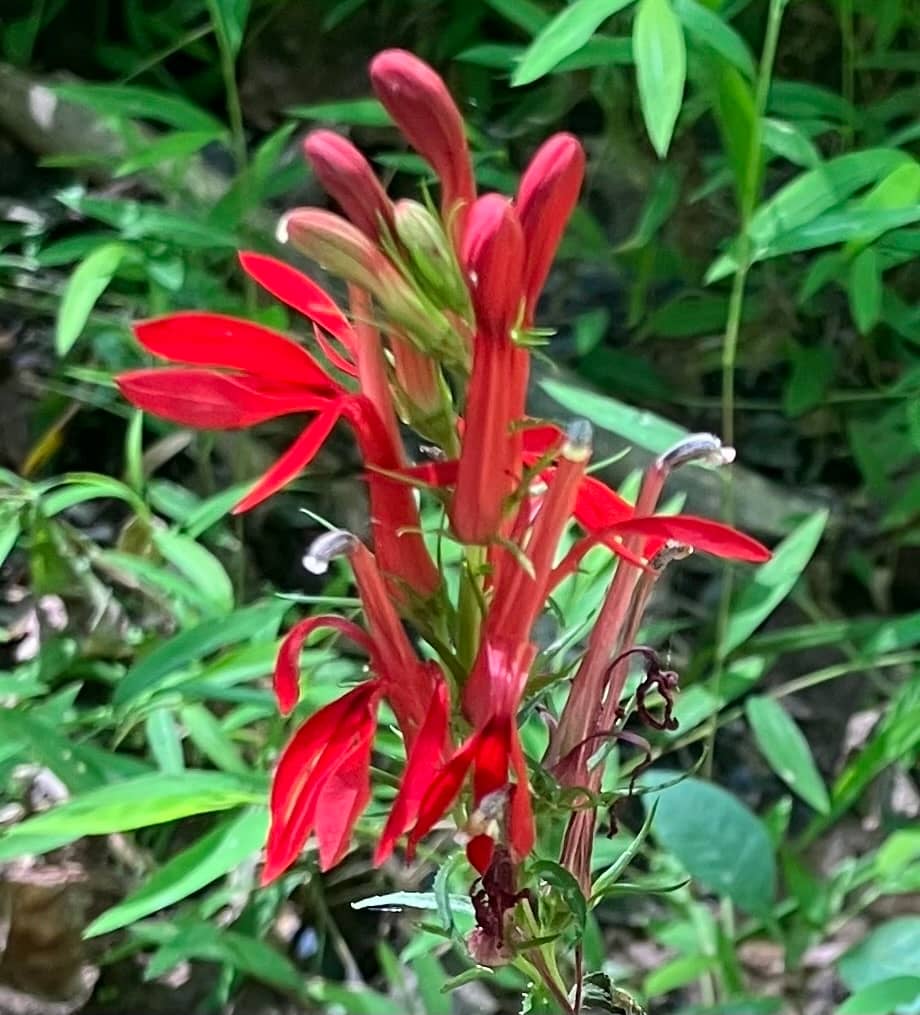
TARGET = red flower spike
x,y
287,663
346,175
546,197
493,257
322,755
418,101
424,758
204,339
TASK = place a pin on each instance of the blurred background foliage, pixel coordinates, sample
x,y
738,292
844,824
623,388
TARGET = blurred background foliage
x,y
743,260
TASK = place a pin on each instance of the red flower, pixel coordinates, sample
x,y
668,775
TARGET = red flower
x,y
346,176
321,783
418,100
490,462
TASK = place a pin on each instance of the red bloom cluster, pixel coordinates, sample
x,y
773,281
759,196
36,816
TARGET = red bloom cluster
x,y
441,308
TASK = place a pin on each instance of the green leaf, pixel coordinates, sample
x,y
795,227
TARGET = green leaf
x,y
525,14
413,900
606,881
229,17
660,202
772,582
142,104
165,150
173,655
211,857
557,876
661,69
736,115
199,565
84,287
641,428
885,996
77,487
891,949
789,142
10,528
132,803
351,112
812,372
164,740
716,838
207,735
864,288
564,35
783,745
707,28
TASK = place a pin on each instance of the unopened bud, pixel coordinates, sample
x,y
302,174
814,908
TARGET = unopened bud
x,y
493,255
704,448
430,255
325,548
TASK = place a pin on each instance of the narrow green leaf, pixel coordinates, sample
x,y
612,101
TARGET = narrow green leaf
x,y
10,528
211,857
564,35
557,876
229,17
142,104
172,656
864,288
708,28
736,115
169,149
661,69
351,112
773,581
132,803
84,287
165,742
783,745
199,565
525,14
206,734
412,900
789,142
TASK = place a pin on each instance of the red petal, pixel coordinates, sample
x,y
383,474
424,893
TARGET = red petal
x,y
539,440
432,473
297,457
299,292
490,771
287,663
479,851
521,834
209,400
316,751
219,341
332,354
597,506
421,762
441,792
342,799
700,533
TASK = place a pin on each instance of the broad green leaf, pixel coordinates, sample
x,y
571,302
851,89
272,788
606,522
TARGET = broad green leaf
x,y
84,287
211,857
142,104
772,582
564,35
199,565
707,28
132,803
897,994
891,949
661,69
864,288
229,17
638,427
716,839
175,654
784,746
166,150
352,112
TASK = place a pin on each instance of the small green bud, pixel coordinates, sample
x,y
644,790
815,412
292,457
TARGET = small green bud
x,y
429,256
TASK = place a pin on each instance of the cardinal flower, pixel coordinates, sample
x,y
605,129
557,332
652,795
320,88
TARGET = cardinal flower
x,y
322,781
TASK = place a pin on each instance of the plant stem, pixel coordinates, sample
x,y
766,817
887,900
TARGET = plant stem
x,y
749,194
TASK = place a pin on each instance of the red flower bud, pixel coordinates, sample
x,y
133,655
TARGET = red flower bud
x,y
418,100
493,255
348,178
546,196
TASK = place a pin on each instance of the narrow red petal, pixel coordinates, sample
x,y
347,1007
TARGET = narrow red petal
x,y
441,792
597,506
215,340
421,762
300,293
521,833
206,399
539,440
438,474
490,770
287,662
332,354
343,798
297,457
700,533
